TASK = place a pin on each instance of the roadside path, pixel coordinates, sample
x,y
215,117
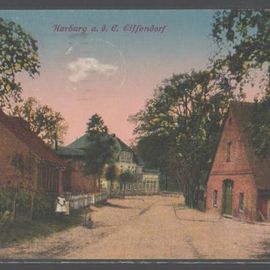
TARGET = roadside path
x,y
154,227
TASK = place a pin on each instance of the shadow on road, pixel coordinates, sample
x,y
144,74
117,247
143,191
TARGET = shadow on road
x,y
112,205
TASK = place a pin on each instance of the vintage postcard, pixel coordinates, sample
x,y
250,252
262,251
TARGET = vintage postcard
x,y
134,134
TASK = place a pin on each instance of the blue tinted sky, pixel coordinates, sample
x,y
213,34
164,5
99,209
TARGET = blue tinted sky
x,y
125,67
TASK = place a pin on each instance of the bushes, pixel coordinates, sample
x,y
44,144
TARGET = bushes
x,y
44,205
20,204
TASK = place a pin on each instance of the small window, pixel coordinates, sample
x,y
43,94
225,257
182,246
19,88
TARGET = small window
x,y
241,202
229,146
215,197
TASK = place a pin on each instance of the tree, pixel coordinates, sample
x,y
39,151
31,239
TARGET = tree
x,y
112,173
243,53
96,126
19,52
154,151
242,37
49,125
126,177
186,111
259,127
102,147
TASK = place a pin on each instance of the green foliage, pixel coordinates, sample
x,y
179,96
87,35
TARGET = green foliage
x,y
243,42
102,148
180,127
24,164
96,126
19,52
17,232
43,120
112,172
43,205
127,177
259,127
244,54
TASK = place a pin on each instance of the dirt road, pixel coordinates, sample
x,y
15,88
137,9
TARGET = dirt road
x,y
154,227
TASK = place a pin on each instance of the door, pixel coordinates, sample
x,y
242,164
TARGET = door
x,y
227,197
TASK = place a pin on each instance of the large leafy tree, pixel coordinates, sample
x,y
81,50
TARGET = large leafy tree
x,y
49,125
243,40
243,54
185,115
102,148
18,53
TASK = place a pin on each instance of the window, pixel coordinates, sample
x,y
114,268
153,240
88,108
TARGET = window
x,y
215,196
229,146
241,202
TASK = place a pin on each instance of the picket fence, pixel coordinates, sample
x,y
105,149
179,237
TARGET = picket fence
x,y
83,200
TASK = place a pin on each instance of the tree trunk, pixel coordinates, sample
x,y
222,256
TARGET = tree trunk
x,y
111,183
99,184
32,206
14,207
124,190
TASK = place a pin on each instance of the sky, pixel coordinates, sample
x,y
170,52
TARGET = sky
x,y
85,70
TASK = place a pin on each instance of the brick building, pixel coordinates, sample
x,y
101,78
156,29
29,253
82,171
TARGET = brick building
x,y
25,161
75,181
239,183
127,160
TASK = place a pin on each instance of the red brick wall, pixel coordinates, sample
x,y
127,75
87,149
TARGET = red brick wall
x,y
238,170
263,205
79,183
241,184
9,145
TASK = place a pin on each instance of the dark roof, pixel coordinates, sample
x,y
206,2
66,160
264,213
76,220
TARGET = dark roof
x,y
69,152
21,130
123,146
81,143
242,113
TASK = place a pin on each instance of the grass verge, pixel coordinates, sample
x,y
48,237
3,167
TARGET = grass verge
x,y
17,232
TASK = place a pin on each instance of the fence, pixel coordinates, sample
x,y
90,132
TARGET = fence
x,y
80,201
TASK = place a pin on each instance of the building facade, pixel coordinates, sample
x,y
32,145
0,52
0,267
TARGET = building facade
x,y
25,161
74,179
239,183
127,161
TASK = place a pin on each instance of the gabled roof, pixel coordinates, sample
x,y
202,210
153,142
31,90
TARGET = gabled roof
x,y
82,142
21,130
70,152
242,114
76,148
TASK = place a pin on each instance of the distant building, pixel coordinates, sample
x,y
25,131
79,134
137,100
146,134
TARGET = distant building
x,y
75,181
127,161
25,160
239,183
147,183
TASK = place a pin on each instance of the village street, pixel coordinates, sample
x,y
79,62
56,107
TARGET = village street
x,y
154,227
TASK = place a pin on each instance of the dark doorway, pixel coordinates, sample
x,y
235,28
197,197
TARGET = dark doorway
x,y
227,196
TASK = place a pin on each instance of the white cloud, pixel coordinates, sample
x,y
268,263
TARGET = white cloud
x,y
83,66
69,50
